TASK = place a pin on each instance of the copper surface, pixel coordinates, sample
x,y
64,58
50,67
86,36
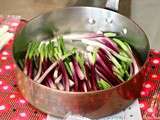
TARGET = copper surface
x,y
91,104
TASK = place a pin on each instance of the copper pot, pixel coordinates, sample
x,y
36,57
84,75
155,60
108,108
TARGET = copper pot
x,y
93,104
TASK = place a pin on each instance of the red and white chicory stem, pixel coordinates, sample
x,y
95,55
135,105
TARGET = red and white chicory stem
x,y
78,69
58,79
106,62
92,61
47,72
65,79
74,77
39,71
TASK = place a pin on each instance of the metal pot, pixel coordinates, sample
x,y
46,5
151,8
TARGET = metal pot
x,y
93,104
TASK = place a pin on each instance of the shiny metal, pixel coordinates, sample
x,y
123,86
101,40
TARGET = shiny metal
x,y
92,104
112,5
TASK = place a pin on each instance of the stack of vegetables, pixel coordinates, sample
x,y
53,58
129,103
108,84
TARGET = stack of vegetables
x,y
107,61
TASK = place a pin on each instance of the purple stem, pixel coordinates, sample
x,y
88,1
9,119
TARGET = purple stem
x,y
112,79
103,77
74,76
84,85
93,78
102,54
65,79
46,83
104,66
80,86
39,71
77,69
49,69
46,64
88,79
108,42
88,85
51,83
28,68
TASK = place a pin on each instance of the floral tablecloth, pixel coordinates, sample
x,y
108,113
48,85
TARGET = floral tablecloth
x,y
14,107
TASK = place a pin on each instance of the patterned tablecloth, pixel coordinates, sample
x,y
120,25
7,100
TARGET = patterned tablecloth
x,y
14,107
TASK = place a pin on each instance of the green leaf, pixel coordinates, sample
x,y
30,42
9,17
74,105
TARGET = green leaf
x,y
121,44
56,55
122,53
119,77
118,67
100,85
110,34
33,49
52,51
70,53
28,50
62,45
124,65
74,50
67,55
125,59
127,45
94,54
46,52
117,71
61,48
49,51
103,84
115,61
63,52
66,63
80,59
41,51
127,74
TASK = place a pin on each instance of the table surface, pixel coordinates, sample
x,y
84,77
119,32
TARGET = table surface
x,y
14,107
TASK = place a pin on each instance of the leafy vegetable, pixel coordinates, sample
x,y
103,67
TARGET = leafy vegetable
x,y
103,85
110,34
107,61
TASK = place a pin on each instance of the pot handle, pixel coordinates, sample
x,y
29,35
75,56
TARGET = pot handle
x,y
112,5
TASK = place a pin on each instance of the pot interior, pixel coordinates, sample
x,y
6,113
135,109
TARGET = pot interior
x,y
81,20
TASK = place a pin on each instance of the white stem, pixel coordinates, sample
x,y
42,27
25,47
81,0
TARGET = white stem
x,y
52,85
71,83
55,74
60,86
58,79
84,87
47,72
50,68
